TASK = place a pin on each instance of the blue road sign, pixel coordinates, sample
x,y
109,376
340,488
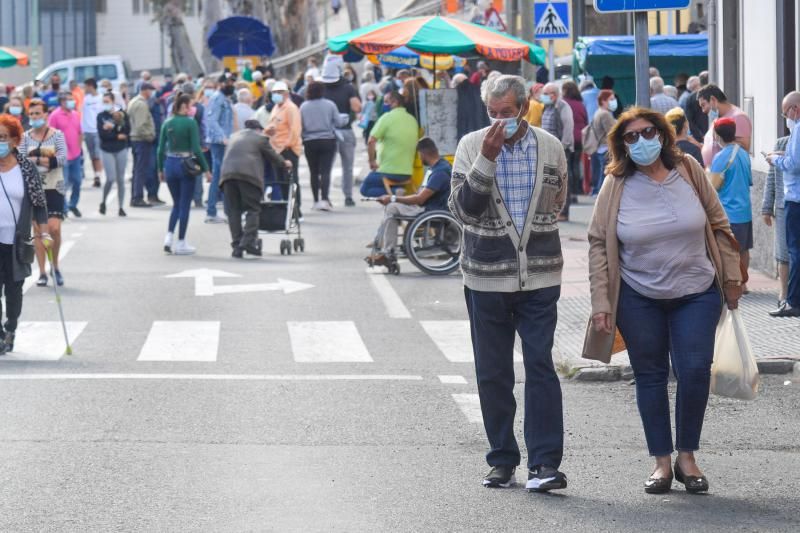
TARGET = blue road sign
x,y
612,6
552,20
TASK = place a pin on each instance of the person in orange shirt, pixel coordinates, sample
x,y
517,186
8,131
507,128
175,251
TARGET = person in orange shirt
x,y
284,130
78,95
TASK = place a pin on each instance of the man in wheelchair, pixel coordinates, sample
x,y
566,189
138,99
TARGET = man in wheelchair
x,y
432,195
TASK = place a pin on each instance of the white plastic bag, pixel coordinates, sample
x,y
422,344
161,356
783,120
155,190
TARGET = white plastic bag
x,y
734,373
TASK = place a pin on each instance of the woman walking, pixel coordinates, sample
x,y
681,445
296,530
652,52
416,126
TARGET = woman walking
x,y
601,124
16,108
661,256
114,129
179,149
24,201
320,118
46,148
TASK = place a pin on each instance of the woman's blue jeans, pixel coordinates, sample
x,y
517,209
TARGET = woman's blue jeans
x,y
598,171
181,187
685,329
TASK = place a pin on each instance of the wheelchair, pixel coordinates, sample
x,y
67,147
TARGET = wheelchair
x,y
431,241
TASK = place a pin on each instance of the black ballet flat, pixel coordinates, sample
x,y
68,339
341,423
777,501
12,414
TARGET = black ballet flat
x,y
658,485
693,484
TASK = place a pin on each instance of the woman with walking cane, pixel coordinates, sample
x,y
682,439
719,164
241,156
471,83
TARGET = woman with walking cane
x,y
21,202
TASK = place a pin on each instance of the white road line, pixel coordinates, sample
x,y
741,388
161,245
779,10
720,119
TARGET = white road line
x,y
453,380
327,342
31,280
470,405
42,341
215,377
453,339
181,341
391,300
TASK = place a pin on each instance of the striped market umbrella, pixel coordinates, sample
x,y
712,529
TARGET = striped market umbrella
x,y
437,35
11,58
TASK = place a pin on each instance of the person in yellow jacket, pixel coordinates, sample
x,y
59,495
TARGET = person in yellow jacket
x,y
536,109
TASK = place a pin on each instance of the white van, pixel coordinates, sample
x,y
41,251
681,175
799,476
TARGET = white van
x,y
113,68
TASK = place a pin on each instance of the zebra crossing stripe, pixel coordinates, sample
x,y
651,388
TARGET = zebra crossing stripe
x,y
43,341
453,339
470,405
327,342
181,341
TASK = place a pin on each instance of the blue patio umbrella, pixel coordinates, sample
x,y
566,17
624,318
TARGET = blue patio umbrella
x,y
240,36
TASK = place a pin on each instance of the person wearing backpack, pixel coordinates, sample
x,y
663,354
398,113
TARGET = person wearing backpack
x,y
595,136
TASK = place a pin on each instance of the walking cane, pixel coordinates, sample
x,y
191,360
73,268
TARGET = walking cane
x,y
58,300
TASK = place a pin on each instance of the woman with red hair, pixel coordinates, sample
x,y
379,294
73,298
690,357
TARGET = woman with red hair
x,y
22,201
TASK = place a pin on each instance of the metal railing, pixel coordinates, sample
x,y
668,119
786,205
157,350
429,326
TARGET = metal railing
x,y
431,7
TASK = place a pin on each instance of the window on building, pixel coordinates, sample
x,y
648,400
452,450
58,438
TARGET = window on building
x,y
100,6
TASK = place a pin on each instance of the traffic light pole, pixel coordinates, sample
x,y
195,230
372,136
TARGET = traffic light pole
x,y
642,38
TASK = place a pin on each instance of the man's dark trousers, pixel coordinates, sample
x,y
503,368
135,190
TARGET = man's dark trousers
x,y
494,318
143,168
152,183
290,175
242,197
792,212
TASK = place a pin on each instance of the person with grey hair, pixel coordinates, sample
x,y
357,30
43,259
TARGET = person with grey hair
x,y
508,186
243,108
659,101
671,91
557,120
692,86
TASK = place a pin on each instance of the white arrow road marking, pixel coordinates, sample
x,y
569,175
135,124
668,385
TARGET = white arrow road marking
x,y
204,283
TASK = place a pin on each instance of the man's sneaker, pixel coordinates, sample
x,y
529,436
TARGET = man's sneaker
x,y
348,202
183,248
75,211
96,183
500,477
168,242
325,205
102,208
544,478
216,219
140,203
154,200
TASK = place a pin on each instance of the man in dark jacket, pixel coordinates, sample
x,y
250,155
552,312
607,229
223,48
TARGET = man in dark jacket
x,y
242,183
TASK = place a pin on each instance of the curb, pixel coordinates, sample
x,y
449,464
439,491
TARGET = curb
x,y
618,372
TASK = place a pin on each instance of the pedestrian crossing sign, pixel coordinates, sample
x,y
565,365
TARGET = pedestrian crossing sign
x,y
552,20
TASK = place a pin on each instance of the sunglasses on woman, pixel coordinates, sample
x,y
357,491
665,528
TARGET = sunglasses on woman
x,y
632,137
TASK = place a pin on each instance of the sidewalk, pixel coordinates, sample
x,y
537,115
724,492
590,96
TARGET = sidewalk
x,y
771,338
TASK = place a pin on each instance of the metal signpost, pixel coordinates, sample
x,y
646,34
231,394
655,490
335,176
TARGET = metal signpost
x,y
641,35
552,22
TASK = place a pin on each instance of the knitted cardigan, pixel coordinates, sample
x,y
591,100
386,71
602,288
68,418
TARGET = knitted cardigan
x,y
494,256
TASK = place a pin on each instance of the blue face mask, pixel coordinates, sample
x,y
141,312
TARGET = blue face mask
x,y
612,105
208,93
546,99
510,125
37,123
644,152
713,115
70,104
5,149
15,110
277,98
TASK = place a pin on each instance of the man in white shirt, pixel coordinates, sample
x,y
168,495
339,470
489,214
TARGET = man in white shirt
x,y
92,106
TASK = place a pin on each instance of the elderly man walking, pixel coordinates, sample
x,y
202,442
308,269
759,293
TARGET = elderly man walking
x,y
558,121
659,100
509,184
242,182
789,163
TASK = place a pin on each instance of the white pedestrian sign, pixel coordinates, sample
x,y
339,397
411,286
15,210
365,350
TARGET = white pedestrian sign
x,y
552,20
204,283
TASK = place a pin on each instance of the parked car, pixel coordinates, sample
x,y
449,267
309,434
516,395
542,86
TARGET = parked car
x,y
114,68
